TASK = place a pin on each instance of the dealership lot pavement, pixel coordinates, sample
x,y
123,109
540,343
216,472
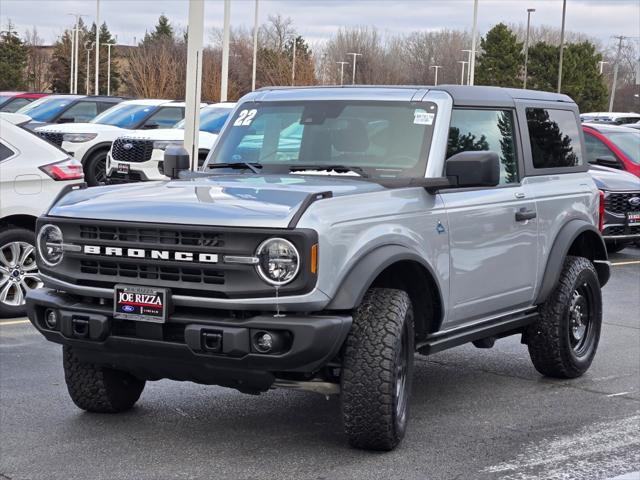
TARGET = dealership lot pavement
x,y
478,414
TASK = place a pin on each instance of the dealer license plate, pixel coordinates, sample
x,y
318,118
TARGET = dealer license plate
x,y
143,304
633,218
123,168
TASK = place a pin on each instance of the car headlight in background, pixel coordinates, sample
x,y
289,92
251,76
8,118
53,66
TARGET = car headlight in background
x,y
50,245
78,137
278,261
163,144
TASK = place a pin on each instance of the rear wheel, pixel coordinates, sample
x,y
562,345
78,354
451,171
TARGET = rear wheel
x,y
99,389
95,169
18,270
563,342
377,370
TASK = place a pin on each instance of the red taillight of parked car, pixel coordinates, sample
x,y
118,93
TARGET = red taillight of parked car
x,y
69,169
601,211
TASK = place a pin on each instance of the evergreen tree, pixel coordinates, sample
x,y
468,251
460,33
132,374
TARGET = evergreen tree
x,y
60,66
163,32
502,58
581,79
13,59
463,143
508,157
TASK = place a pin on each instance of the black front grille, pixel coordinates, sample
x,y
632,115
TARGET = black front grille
x,y
141,271
152,236
621,230
130,150
52,137
619,202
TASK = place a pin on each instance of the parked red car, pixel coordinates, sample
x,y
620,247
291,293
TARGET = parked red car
x,y
613,146
13,101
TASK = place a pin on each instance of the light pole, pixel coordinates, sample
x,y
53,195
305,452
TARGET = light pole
x,y
564,12
293,61
88,47
255,48
615,72
601,64
97,42
436,68
463,62
526,46
224,81
468,63
474,34
342,64
355,57
108,45
193,84
74,53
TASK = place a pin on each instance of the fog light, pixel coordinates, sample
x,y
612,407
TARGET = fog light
x,y
264,342
51,319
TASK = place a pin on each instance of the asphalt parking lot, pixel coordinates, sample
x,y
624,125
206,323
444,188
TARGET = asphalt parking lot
x,y
476,414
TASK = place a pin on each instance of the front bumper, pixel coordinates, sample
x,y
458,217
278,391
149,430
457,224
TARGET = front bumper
x,y
138,171
177,349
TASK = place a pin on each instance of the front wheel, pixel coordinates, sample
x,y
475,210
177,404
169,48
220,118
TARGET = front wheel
x,y
563,342
95,169
377,370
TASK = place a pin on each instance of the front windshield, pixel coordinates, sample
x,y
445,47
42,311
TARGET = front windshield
x,y
211,119
628,142
382,139
124,115
45,109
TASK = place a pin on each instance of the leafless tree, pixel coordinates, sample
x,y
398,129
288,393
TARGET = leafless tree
x,y
37,62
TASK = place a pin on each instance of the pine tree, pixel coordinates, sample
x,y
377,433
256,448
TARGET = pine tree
x,y
502,58
13,59
60,66
163,32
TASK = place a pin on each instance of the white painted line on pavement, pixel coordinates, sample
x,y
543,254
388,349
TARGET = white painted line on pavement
x,y
14,322
617,394
630,262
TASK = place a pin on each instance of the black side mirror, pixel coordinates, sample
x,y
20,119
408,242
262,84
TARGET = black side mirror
x,y
473,169
176,160
608,161
67,120
150,126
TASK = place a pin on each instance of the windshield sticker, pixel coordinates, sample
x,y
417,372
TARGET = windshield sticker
x,y
420,117
245,118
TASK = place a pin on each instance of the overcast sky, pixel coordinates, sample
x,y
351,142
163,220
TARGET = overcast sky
x,y
319,19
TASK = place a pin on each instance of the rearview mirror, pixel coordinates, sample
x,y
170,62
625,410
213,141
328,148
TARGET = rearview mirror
x,y
608,161
473,169
176,160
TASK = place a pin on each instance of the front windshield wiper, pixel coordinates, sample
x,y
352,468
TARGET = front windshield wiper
x,y
253,166
335,168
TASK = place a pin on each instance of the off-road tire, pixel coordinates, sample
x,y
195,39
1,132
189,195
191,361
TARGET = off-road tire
x,y
549,339
371,358
96,161
99,389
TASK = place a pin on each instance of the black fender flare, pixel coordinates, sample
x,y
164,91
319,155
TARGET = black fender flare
x,y
94,149
560,249
358,280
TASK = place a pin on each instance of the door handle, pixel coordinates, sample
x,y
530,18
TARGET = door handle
x,y
523,215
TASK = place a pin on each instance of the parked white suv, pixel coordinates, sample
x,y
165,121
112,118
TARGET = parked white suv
x,y
138,156
90,142
32,174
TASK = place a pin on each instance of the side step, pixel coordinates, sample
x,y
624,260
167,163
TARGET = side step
x,y
493,327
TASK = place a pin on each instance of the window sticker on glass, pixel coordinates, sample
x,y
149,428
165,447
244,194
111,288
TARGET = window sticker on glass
x,y
245,118
420,117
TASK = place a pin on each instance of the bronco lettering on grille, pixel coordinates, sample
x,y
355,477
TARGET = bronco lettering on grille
x,y
152,254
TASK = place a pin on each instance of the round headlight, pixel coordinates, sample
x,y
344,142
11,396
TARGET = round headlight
x,y
50,245
278,261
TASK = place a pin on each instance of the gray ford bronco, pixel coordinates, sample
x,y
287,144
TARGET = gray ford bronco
x,y
330,235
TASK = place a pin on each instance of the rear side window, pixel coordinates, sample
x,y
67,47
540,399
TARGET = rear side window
x,y
166,117
595,148
491,130
555,141
15,105
5,152
81,112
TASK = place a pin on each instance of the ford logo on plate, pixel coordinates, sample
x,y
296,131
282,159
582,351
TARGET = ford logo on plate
x,y
128,308
127,146
634,201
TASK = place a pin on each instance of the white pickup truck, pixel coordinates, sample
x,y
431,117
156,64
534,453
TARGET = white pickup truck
x,y
138,156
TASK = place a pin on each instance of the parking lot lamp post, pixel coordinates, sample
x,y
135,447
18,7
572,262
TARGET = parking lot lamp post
x,y
355,57
468,52
88,49
293,61
463,62
224,81
255,48
108,45
526,45
474,34
436,68
97,42
193,86
342,64
601,64
564,14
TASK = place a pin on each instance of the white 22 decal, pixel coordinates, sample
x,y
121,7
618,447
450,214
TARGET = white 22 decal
x,y
245,118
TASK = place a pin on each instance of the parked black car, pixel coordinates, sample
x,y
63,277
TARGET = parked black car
x,y
620,219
